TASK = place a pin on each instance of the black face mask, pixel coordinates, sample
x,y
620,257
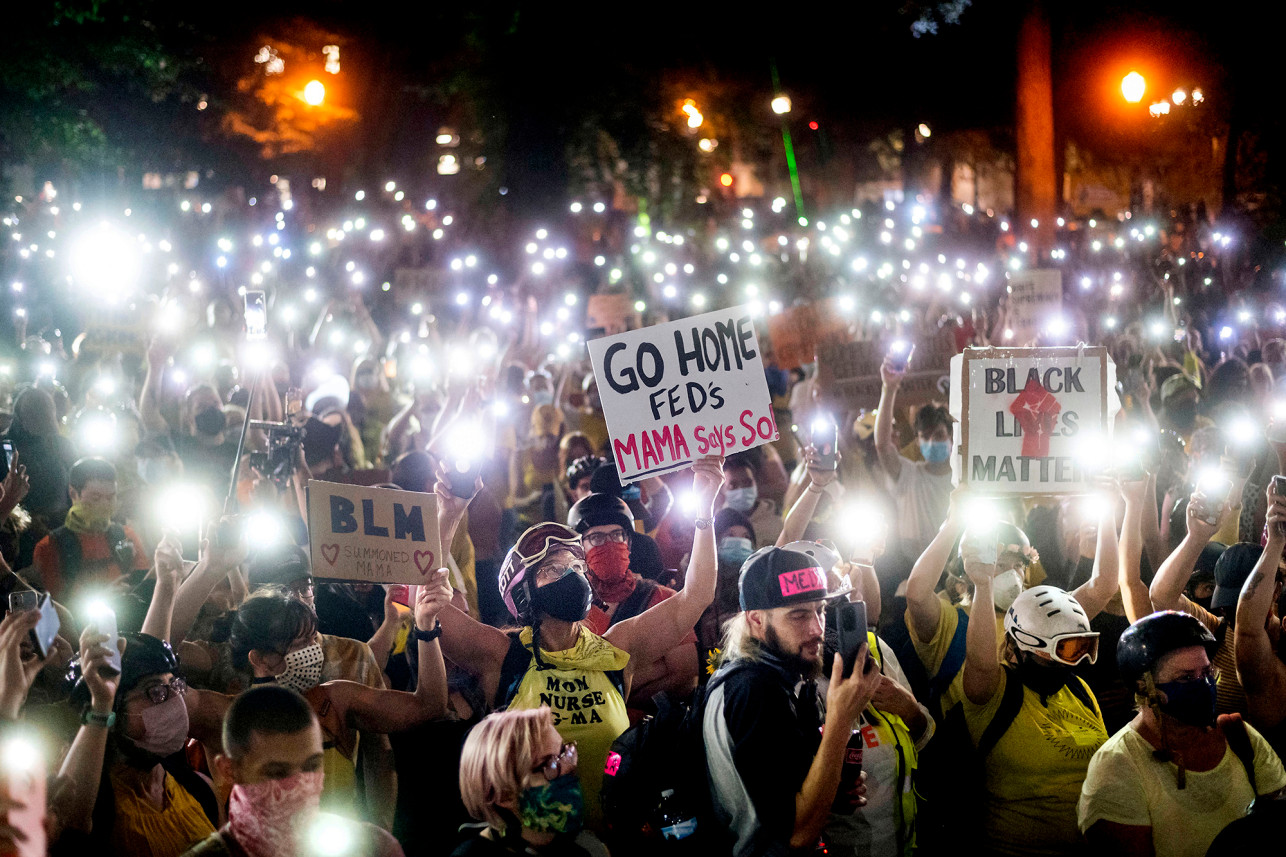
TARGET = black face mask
x,y
566,599
210,421
1182,414
1045,680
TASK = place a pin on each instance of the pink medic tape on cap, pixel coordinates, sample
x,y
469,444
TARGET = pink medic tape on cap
x,y
801,582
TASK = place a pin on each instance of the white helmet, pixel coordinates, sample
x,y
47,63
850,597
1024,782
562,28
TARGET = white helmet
x,y
823,553
1047,620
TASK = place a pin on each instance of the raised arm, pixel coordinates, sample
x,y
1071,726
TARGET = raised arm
x,y
1151,523
1173,574
981,673
1094,594
169,567
1261,672
1138,603
658,629
149,403
921,586
221,555
802,512
885,448
83,764
373,710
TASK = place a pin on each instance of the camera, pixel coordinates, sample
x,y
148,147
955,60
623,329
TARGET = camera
x,y
277,463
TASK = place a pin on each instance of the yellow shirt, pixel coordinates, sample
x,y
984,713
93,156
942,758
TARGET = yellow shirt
x,y
933,651
1033,775
142,830
585,704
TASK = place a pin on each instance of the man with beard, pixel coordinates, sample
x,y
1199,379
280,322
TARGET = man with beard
x,y
773,776
607,529
273,746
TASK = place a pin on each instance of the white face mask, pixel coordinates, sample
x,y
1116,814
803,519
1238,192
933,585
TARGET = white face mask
x,y
303,669
1005,587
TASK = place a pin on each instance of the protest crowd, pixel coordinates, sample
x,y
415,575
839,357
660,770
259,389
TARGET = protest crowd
x,y
337,540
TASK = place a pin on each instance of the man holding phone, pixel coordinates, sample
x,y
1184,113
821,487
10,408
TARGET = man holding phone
x,y
773,778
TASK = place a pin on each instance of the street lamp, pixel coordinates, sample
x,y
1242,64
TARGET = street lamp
x,y
315,92
781,104
1133,86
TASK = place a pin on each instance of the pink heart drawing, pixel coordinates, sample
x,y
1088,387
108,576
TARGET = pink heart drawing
x,y
424,561
330,553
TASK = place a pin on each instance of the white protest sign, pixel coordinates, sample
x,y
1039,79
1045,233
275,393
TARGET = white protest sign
x,y
375,535
1032,421
674,392
1035,299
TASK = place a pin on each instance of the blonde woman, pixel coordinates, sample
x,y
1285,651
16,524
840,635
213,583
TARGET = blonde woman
x,y
519,777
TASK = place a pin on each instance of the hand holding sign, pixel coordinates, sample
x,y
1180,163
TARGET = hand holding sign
x,y
707,479
431,598
374,535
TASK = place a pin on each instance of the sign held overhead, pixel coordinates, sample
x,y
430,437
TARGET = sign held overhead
x,y
374,535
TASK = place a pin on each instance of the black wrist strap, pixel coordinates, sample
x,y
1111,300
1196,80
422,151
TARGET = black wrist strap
x,y
429,636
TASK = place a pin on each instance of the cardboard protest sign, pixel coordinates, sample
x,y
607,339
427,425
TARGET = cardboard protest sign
x,y
374,535
797,331
611,313
674,392
852,369
1030,420
1035,297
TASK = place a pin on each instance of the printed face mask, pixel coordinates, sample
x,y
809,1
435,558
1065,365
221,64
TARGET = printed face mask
x,y
734,550
165,728
1005,588
935,451
1190,702
741,499
303,669
263,817
556,807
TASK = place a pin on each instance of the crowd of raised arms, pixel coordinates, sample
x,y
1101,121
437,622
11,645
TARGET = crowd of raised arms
x,y
769,653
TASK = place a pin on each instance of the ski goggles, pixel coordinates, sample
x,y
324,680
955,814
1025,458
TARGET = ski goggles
x,y
535,544
1071,649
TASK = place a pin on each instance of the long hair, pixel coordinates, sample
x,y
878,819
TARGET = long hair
x,y
738,643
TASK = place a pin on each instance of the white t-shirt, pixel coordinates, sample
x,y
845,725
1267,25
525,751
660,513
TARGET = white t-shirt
x,y
1127,785
922,499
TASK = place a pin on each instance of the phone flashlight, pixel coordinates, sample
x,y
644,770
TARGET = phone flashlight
x,y
256,315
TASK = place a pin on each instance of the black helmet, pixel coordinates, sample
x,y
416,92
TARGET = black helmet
x,y
598,510
1144,642
145,655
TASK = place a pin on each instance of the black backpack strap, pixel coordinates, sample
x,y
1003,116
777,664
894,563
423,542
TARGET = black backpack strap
x,y
636,602
953,660
516,663
1234,730
1082,692
1010,704
121,548
69,554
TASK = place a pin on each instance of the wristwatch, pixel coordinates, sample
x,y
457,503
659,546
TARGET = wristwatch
x,y
703,523
89,717
428,636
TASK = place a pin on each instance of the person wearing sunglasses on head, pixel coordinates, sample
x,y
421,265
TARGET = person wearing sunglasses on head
x,y
1033,722
519,777
555,659
1176,775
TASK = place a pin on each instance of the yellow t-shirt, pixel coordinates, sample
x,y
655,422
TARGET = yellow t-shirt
x,y
1127,785
933,651
142,830
1033,775
585,704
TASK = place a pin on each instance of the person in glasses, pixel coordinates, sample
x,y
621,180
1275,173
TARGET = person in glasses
x,y
1033,722
606,526
555,660
1173,778
519,777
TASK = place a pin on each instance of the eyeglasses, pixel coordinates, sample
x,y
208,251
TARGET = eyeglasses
x,y
159,693
303,587
595,540
550,573
1071,649
1210,673
554,767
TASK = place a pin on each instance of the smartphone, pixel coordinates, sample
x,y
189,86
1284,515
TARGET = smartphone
x,y
401,594
256,315
226,533
23,600
103,618
46,630
984,543
850,618
1279,489
900,353
6,457
825,437
22,779
463,475
1213,494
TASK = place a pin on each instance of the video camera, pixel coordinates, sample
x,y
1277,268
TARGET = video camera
x,y
285,441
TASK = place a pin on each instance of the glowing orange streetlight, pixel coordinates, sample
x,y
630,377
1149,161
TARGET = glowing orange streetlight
x,y
315,92
1133,86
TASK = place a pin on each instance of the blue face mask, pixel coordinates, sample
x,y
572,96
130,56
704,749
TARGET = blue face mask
x,y
1190,702
741,499
734,550
935,451
542,397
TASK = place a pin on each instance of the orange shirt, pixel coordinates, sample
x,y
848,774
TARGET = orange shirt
x,y
99,565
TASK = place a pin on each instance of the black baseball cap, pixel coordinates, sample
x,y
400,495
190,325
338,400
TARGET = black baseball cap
x,y
1231,571
776,577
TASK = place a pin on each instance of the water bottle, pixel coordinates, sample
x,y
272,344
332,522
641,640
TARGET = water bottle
x,y
677,820
849,776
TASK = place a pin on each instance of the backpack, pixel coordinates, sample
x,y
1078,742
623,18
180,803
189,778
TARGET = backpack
x,y
661,752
